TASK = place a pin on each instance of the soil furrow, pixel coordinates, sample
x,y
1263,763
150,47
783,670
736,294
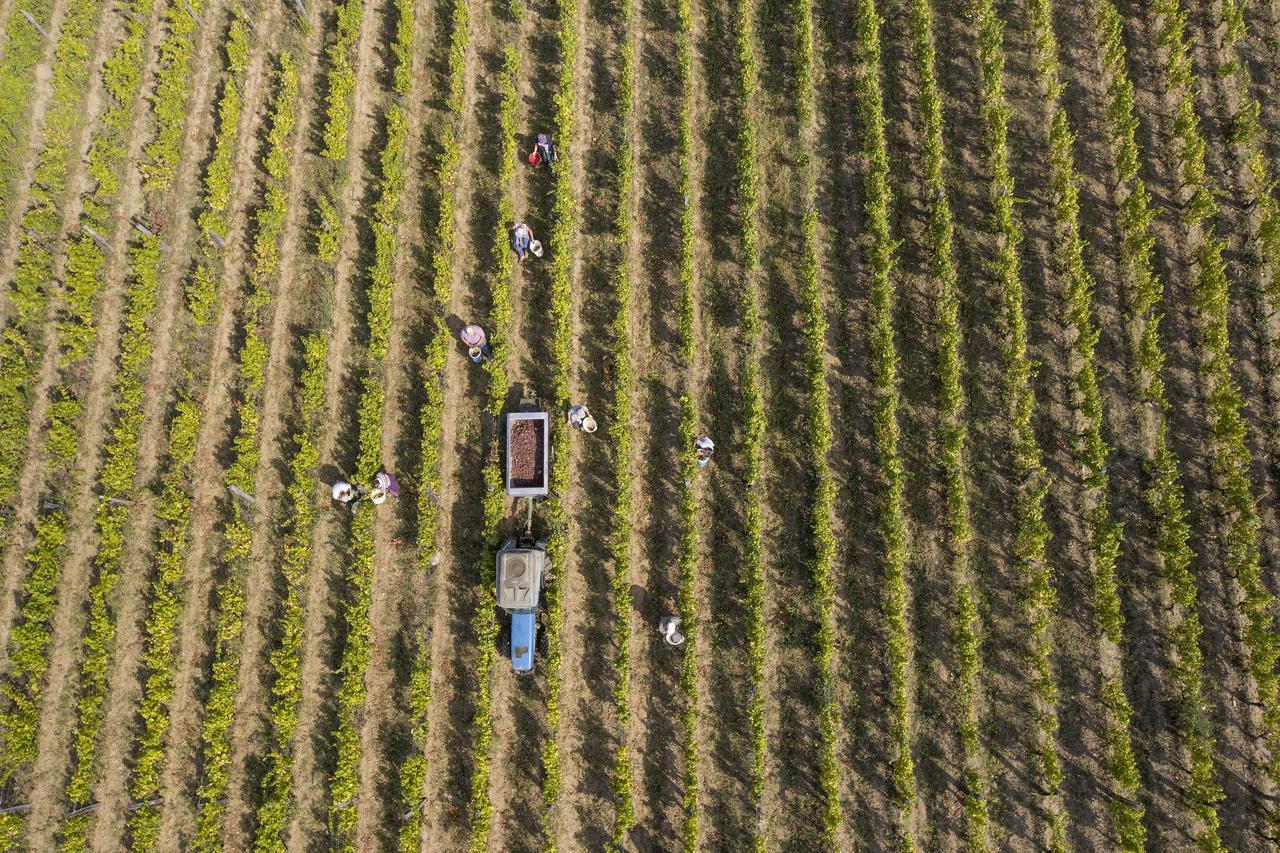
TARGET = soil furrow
x,y
726,804
653,738
794,807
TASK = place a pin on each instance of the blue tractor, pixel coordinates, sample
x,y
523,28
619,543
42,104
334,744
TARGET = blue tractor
x,y
522,567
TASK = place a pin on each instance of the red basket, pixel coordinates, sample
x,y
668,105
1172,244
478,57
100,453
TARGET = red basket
x,y
534,158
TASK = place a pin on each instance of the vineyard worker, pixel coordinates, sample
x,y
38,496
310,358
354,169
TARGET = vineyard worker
x,y
476,342
705,447
578,415
546,151
521,239
669,628
384,485
345,494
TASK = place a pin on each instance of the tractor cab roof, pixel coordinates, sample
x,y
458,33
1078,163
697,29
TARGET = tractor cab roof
x,y
520,578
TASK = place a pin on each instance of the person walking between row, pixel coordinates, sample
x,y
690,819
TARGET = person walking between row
x,y
522,241
476,342
544,151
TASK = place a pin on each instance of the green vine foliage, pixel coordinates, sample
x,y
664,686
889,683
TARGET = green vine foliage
x,y
688,527
1031,531
238,535
1231,459
40,254
955,433
1165,496
881,248
485,623
1090,448
413,776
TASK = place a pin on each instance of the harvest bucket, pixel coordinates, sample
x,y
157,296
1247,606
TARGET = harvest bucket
x,y
588,424
534,157
536,248
474,352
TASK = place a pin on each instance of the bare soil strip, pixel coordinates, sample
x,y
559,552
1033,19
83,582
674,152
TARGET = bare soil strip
x,y
313,757
794,806
656,705
863,747
125,682
57,721
727,814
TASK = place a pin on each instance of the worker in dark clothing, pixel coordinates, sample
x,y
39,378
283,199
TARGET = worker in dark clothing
x,y
545,150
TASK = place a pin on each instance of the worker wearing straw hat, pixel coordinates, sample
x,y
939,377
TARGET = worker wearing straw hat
x,y
580,418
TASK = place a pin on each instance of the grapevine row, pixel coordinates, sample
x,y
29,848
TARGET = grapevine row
x,y
169,99
118,474
688,548
41,262
238,534
878,200
1230,456
272,816
1030,530
955,431
1165,496
24,46
275,785
753,402
30,296
620,430
342,81
355,655
563,226
485,624
414,774
1255,191
174,507
1089,448
820,437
